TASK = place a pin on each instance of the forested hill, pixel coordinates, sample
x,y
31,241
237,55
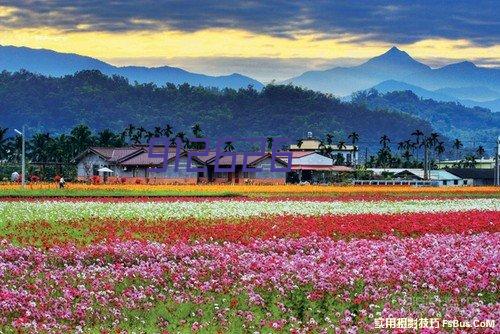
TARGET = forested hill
x,y
57,104
472,125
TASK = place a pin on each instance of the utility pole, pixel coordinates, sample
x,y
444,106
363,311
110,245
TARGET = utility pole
x,y
497,163
23,156
426,162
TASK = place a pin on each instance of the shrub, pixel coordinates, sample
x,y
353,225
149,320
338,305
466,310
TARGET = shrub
x,y
34,178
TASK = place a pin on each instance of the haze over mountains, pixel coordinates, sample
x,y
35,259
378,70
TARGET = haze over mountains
x,y
51,63
395,70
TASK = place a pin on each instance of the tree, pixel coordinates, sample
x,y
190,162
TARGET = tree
x,y
339,159
384,141
4,147
81,138
40,147
354,137
107,138
129,130
168,131
480,151
341,145
417,133
407,156
469,162
439,149
329,138
457,145
197,130
269,141
228,146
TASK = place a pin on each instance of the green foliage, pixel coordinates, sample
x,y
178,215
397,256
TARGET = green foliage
x,y
448,118
56,105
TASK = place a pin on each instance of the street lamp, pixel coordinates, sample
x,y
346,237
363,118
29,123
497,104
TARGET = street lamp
x,y
23,168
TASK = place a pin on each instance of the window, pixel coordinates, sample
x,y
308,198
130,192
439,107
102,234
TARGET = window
x,y
455,182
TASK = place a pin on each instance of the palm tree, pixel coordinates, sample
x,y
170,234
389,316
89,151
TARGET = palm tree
x,y
384,140
129,130
339,159
417,133
480,151
434,138
157,131
457,145
439,148
269,141
136,138
228,146
197,130
407,155
469,161
40,147
148,136
168,131
81,138
401,145
354,137
108,138
341,145
329,138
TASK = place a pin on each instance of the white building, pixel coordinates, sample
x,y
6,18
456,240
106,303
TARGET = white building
x,y
310,144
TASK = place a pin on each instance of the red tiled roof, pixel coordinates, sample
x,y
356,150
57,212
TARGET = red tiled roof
x,y
227,160
323,168
143,160
113,154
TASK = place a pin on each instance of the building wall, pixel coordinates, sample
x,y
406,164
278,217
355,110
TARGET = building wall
x,y
171,173
92,160
314,159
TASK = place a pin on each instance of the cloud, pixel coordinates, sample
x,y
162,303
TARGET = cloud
x,y
375,20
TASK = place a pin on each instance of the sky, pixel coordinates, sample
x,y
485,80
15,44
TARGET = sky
x,y
263,39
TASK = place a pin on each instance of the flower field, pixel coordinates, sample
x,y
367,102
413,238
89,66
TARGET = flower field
x,y
297,264
290,190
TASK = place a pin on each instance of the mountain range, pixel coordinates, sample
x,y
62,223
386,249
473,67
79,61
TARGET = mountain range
x,y
396,70
51,63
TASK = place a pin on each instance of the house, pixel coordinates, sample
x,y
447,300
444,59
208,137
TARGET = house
x,y
310,166
311,144
483,163
479,176
415,176
263,162
135,165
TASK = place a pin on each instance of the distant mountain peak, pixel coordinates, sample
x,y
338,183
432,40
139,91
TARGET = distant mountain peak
x,y
394,61
463,64
395,50
392,55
